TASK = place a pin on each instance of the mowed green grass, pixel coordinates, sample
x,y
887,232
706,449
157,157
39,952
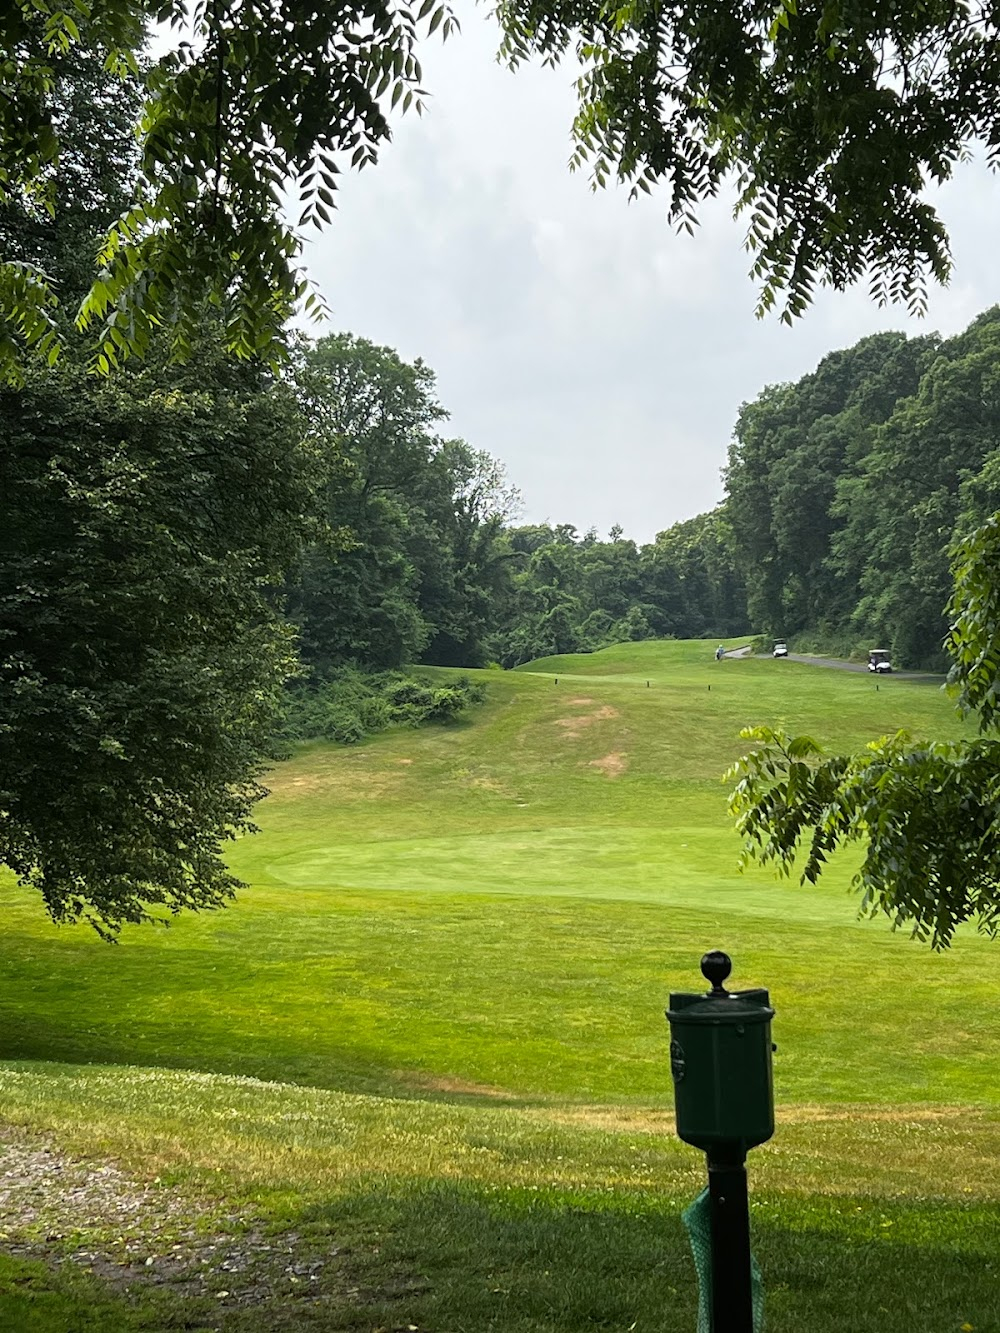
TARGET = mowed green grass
x,y
461,942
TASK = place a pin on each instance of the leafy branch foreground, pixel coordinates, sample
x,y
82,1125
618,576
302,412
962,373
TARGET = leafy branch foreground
x,y
831,118
928,814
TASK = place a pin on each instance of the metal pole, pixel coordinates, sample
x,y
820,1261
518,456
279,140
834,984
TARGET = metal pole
x,y
732,1294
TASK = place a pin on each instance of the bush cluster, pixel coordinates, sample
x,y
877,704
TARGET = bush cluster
x,y
348,704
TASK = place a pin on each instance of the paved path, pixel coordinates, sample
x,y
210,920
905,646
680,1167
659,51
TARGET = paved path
x,y
838,664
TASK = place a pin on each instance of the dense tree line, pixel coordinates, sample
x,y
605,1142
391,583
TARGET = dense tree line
x,y
844,494
570,593
420,559
846,490
412,555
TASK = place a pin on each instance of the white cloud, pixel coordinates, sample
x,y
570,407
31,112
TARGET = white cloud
x,y
602,357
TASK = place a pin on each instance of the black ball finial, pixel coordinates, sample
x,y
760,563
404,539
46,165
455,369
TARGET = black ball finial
x,y
715,967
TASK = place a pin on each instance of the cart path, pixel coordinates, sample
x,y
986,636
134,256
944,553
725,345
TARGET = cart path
x,y
838,664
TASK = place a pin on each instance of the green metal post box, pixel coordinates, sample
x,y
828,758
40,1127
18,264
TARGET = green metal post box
x,y
720,1058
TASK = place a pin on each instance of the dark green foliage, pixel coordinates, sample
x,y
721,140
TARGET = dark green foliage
x,y
253,100
974,637
927,815
574,594
795,450
693,583
49,233
144,529
349,704
831,116
846,489
419,559
87,187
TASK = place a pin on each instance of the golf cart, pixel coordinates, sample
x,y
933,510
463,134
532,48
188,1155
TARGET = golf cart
x,y
780,649
879,661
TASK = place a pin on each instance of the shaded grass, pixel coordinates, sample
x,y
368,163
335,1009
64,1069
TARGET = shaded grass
x,y
541,998
33,1300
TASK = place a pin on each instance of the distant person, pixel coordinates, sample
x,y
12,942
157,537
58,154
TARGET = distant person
x,y
720,653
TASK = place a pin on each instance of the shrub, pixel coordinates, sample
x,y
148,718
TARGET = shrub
x,y
348,704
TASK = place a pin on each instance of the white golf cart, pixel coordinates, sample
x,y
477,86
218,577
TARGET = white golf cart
x,y
880,661
780,649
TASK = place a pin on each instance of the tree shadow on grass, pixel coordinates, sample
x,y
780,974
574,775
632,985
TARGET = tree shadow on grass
x,y
512,1260
445,1257
37,1298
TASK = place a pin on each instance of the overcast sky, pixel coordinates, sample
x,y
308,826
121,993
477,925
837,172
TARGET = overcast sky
x,y
575,337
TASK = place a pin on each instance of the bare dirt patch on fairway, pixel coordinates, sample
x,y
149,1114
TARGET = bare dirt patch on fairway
x,y
483,781
612,1119
579,703
611,765
421,1082
348,780
574,727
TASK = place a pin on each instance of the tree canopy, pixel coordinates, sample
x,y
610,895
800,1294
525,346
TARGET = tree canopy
x,y
254,100
830,115
146,526
846,489
415,558
141,652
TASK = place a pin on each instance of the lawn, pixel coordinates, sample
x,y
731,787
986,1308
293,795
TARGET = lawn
x,y
430,1036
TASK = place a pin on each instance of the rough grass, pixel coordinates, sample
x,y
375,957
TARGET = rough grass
x,y
450,973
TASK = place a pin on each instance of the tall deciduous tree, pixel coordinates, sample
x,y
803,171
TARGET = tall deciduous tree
x,y
421,554
146,526
794,450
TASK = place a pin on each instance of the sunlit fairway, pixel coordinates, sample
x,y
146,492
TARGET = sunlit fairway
x,y
454,958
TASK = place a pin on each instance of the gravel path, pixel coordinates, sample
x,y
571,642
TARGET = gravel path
x,y
61,1209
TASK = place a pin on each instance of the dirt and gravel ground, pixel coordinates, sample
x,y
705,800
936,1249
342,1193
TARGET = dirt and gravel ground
x,y
60,1209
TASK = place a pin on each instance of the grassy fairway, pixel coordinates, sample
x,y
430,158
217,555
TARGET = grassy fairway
x,y
462,940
